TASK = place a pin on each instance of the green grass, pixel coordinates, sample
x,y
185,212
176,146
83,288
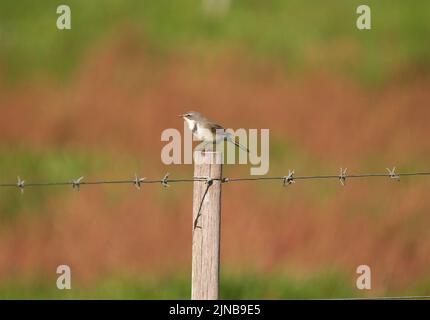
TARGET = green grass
x,y
300,34
233,286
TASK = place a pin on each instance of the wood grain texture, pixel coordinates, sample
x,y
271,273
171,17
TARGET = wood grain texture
x,y
206,229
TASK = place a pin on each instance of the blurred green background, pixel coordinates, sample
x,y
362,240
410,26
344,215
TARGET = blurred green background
x,y
93,101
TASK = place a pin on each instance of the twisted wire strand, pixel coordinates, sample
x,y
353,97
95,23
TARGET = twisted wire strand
x,y
166,180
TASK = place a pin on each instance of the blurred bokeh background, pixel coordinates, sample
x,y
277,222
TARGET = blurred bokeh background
x,y
94,100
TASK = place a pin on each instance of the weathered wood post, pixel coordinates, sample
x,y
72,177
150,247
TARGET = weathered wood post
x,y
206,226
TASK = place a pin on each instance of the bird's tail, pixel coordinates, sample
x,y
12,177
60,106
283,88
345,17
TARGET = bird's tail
x,y
230,139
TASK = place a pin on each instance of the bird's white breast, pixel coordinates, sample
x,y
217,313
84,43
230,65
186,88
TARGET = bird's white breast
x,y
190,123
204,133
200,132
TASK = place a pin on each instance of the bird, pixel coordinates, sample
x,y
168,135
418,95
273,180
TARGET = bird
x,y
208,131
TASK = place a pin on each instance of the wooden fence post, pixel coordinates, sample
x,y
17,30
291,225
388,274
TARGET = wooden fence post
x,y
206,226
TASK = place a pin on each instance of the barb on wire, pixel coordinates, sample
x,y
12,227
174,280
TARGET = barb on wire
x,y
392,174
20,184
137,181
289,179
209,182
343,176
165,181
77,183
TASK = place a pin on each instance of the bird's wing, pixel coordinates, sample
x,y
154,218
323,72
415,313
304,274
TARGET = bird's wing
x,y
209,125
215,126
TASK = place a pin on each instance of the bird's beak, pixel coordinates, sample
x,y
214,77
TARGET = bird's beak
x,y
180,115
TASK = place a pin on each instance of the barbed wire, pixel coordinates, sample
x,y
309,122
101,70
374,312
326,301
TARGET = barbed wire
x,y
343,176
